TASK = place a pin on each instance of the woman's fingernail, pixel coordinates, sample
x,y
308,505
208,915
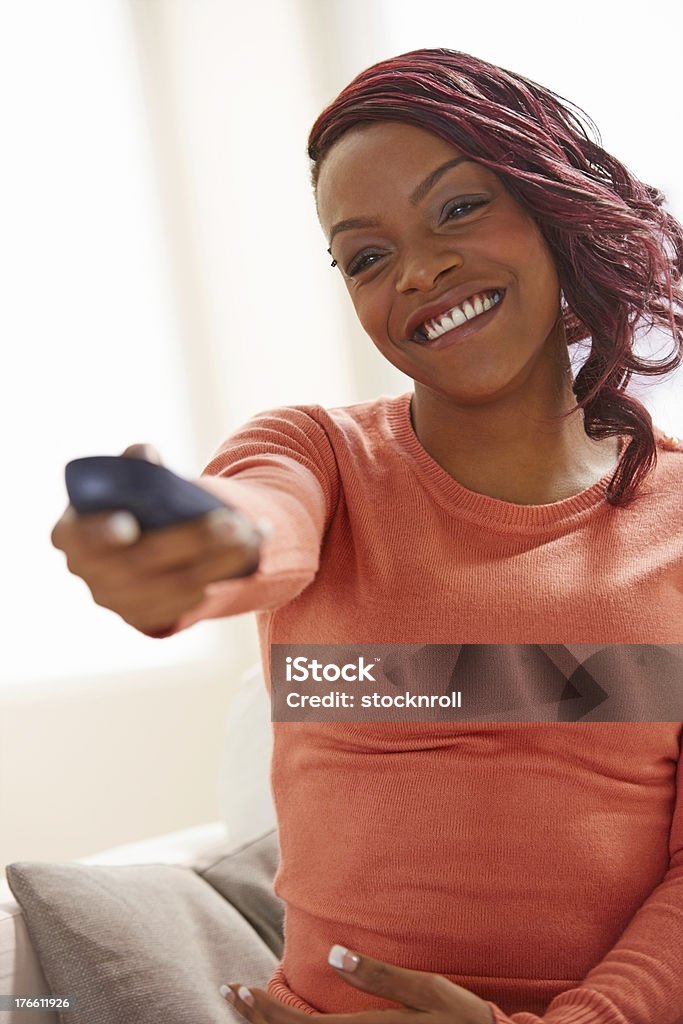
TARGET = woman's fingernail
x,y
340,957
227,993
264,527
245,995
122,528
226,526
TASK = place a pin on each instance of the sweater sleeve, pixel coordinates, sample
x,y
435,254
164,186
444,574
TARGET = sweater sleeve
x,y
280,466
640,980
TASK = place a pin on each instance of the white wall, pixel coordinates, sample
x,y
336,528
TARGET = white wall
x,y
233,92
91,764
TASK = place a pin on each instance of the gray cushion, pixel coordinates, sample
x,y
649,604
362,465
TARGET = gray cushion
x,y
151,943
244,876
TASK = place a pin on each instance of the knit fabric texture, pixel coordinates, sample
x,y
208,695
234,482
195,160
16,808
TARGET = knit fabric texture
x,y
538,865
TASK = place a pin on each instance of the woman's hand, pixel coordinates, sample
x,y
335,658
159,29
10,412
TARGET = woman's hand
x,y
430,997
150,579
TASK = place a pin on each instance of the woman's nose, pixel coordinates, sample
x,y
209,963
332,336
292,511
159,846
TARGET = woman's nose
x,y
421,269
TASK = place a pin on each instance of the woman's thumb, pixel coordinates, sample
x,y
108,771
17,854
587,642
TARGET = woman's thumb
x,y
143,451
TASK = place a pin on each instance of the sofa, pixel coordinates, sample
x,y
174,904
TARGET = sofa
x,y
194,905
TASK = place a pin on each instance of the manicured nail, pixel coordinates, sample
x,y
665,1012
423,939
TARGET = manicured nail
x,y
226,527
227,993
245,995
340,957
264,527
122,528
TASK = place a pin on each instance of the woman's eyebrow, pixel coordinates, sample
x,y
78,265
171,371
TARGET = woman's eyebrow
x,y
422,189
414,198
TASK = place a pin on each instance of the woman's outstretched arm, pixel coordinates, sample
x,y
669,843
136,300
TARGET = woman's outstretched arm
x,y
280,467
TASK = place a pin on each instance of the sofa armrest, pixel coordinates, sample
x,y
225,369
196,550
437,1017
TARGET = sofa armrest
x,y
20,971
195,847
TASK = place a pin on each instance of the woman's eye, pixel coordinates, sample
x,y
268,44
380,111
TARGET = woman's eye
x,y
360,263
463,204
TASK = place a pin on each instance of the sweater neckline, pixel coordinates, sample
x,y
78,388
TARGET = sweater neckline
x,y
493,513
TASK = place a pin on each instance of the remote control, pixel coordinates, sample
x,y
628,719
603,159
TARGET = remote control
x,y
151,493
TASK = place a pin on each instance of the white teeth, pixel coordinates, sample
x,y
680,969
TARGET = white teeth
x,y
459,314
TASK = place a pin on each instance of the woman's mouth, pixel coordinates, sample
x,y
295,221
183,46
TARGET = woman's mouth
x,y
460,322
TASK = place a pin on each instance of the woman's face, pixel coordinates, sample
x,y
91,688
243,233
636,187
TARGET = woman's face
x,y
439,235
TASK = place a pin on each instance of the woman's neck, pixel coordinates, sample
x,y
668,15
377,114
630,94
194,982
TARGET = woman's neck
x,y
507,450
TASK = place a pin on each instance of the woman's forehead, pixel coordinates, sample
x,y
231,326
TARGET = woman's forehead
x,y
372,160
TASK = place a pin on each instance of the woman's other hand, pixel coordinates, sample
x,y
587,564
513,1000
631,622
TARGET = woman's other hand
x,y
432,998
151,578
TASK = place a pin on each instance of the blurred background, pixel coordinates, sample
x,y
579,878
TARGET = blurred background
x,y
164,278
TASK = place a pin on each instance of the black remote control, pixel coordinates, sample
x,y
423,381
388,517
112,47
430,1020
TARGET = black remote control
x,y
151,493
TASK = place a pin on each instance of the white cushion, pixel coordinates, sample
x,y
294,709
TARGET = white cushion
x,y
245,800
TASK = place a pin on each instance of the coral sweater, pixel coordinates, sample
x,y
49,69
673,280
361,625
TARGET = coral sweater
x,y
539,865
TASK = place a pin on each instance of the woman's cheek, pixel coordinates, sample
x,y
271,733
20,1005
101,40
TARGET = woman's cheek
x,y
373,308
369,320
379,318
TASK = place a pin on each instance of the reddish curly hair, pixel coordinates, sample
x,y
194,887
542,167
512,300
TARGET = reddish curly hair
x,y
617,251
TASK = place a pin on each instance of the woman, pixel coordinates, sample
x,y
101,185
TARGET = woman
x,y
496,869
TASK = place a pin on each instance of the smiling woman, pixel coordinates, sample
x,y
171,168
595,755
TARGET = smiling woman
x,y
419,279
517,200
478,871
